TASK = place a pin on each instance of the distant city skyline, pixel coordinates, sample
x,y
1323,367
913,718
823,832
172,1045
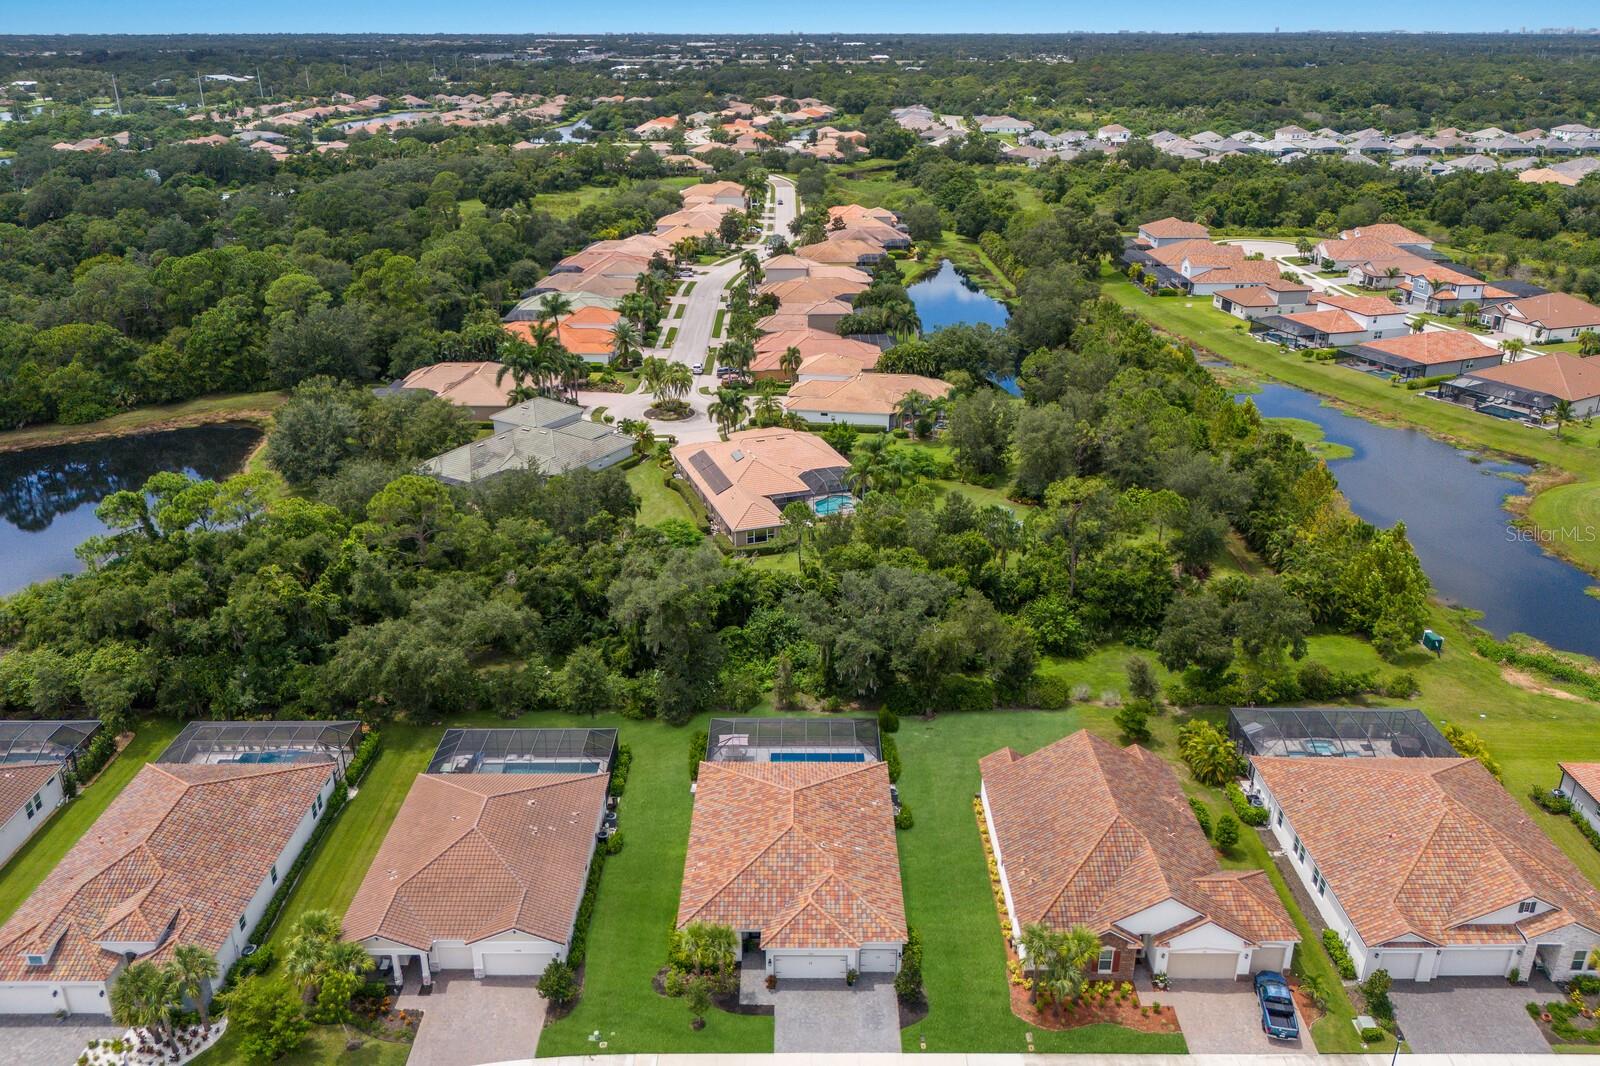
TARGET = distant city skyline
x,y
818,17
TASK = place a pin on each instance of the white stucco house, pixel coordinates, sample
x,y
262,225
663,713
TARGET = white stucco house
x,y
1580,783
188,854
798,855
485,865
1089,834
1428,869
34,757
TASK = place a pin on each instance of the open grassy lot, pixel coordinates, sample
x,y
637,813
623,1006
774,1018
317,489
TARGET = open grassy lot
x,y
569,202
34,861
657,503
1575,453
207,410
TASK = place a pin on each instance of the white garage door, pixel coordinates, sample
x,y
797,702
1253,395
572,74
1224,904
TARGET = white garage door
x,y
1266,959
522,964
1202,964
810,967
29,999
1474,963
1402,965
878,960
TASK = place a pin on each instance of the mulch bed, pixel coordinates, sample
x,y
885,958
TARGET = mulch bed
x,y
910,1016
1309,1013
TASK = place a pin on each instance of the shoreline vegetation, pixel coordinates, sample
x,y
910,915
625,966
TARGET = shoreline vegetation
x,y
245,408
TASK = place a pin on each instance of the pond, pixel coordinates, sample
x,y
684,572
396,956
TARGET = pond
x,y
376,121
567,133
1454,511
48,495
947,298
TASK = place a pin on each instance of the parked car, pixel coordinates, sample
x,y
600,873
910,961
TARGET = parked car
x,y
698,368
1278,1019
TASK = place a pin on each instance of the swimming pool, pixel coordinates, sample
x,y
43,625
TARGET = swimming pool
x,y
549,767
1317,746
818,756
269,756
839,503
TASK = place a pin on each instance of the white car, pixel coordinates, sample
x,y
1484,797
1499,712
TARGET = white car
x,y
698,368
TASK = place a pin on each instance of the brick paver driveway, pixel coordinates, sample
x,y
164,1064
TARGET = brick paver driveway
x,y
1481,1014
48,1042
468,1021
1221,1017
830,1016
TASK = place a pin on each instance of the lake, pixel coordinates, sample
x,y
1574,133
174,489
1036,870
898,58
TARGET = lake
x,y
947,298
1454,511
380,120
48,495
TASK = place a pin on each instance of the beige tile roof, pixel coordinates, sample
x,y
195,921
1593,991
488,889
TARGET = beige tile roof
x,y
473,855
1198,253
852,212
1249,272
1558,374
1367,306
1387,231
1174,227
1327,321
19,782
1426,847
874,394
1359,250
710,190
1436,346
759,464
1091,834
811,290
803,852
1553,310
813,343
846,251
464,384
186,845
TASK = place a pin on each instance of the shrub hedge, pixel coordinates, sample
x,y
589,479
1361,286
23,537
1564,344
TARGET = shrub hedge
x,y
1339,954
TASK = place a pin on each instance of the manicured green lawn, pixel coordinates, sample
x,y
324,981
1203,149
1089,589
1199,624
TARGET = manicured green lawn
x,y
34,861
1576,452
334,874
325,1044
657,503
569,202
634,913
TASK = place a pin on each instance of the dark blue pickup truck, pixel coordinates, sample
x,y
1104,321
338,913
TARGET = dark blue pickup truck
x,y
1278,1018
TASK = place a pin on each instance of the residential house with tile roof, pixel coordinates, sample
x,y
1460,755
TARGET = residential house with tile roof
x,y
1428,869
1545,319
1170,230
748,479
1580,783
1089,834
1273,298
1335,321
802,855
186,854
480,387
822,355
34,757
1432,353
538,434
1530,388
481,872
863,399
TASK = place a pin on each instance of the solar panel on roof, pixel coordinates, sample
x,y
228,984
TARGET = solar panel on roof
x,y
715,479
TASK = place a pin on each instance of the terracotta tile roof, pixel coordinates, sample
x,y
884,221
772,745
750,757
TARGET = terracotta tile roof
x,y
1426,847
1553,310
1326,321
817,271
464,384
1251,271
710,190
1586,774
587,331
1091,834
473,855
1387,231
184,845
1359,250
1198,253
19,782
1437,346
845,251
757,465
1566,377
813,343
803,852
853,212
1367,306
875,394
811,290
1163,228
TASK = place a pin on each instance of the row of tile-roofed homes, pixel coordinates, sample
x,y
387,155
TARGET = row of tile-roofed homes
x,y
1374,333
1420,862
1547,156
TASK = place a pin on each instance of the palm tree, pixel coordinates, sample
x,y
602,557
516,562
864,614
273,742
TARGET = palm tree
x,y
652,371
677,381
639,309
685,248
797,518
750,263
625,343
526,363
911,406
1589,343
1040,945
767,409
554,306
1512,346
873,466
192,969
738,354
144,997
1076,950
1561,414
310,939
789,362
727,411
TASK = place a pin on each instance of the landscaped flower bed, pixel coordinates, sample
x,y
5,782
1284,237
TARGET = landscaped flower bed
x,y
1102,1001
140,1047
1568,1021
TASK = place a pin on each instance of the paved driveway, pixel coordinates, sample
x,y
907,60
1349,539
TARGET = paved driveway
x,y
1479,1014
1221,1017
827,1016
466,1021
47,1042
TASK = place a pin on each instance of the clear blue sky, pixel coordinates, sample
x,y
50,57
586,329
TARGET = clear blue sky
x,y
811,16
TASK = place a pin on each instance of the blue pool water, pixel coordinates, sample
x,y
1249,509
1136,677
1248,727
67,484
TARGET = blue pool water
x,y
549,767
832,505
268,756
1321,747
818,756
